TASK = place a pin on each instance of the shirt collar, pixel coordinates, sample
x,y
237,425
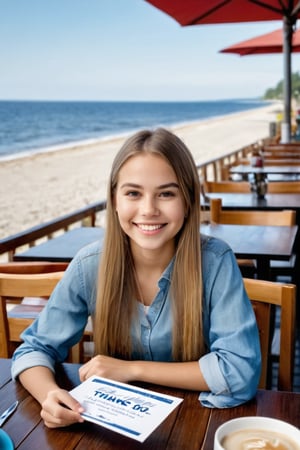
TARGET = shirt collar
x,y
167,273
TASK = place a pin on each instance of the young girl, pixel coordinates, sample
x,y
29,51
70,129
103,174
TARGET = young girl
x,y
168,307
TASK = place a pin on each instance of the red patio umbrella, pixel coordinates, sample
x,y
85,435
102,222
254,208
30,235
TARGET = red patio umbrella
x,y
265,43
196,12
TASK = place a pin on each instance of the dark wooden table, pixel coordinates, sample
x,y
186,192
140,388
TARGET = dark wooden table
x,y
64,247
270,172
249,201
189,427
254,242
263,243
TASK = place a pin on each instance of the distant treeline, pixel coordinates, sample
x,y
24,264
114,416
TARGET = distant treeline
x,y
277,91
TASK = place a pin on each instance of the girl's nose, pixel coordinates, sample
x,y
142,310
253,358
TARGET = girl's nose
x,y
149,207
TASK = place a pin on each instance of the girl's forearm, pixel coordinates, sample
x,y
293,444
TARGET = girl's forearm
x,y
38,381
180,375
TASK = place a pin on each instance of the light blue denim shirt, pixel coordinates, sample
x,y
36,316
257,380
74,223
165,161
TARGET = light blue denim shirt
x,y
231,367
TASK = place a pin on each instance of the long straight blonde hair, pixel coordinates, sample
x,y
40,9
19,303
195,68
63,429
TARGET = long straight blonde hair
x,y
116,307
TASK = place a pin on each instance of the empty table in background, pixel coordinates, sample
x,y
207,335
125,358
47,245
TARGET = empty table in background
x,y
64,247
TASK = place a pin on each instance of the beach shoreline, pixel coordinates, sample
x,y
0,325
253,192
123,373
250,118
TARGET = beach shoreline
x,y
42,127
41,186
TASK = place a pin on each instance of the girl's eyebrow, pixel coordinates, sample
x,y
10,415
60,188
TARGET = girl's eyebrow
x,y
162,186
169,185
132,185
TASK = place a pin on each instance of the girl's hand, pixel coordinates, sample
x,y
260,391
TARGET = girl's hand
x,y
107,367
60,409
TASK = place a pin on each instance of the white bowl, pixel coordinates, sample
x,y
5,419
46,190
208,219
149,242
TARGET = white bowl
x,y
257,423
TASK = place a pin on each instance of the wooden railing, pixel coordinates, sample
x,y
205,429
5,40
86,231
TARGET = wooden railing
x,y
86,216
217,169
213,170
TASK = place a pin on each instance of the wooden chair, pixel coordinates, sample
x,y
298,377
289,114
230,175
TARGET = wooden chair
x,y
281,155
227,186
282,162
32,267
24,289
13,288
277,218
264,295
283,187
274,187
290,147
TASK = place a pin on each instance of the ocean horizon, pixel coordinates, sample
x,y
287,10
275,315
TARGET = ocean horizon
x,y
29,127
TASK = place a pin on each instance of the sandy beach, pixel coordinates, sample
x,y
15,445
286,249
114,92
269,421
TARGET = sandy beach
x,y
38,188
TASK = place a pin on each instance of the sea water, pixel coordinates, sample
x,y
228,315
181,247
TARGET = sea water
x,y
34,126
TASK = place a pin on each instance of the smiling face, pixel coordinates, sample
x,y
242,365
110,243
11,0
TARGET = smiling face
x,y
149,204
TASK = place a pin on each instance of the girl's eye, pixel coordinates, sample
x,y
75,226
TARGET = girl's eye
x,y
167,194
132,193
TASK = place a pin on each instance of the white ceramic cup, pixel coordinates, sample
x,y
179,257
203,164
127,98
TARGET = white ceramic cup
x,y
257,423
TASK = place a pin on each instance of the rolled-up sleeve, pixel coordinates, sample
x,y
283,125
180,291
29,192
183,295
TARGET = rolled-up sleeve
x,y
231,368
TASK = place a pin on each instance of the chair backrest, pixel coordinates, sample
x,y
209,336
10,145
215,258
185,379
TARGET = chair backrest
x,y
281,155
32,267
284,187
279,187
264,296
294,160
227,186
289,147
279,218
13,288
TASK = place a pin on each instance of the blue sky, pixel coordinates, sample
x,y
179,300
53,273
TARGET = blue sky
x,y
125,50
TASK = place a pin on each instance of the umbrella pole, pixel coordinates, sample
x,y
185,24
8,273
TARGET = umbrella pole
x,y
287,89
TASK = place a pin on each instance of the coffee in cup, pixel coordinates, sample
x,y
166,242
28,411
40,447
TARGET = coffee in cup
x,y
250,433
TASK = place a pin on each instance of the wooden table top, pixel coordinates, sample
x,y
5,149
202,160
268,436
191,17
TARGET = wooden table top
x,y
262,243
247,169
190,426
255,241
249,201
64,247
